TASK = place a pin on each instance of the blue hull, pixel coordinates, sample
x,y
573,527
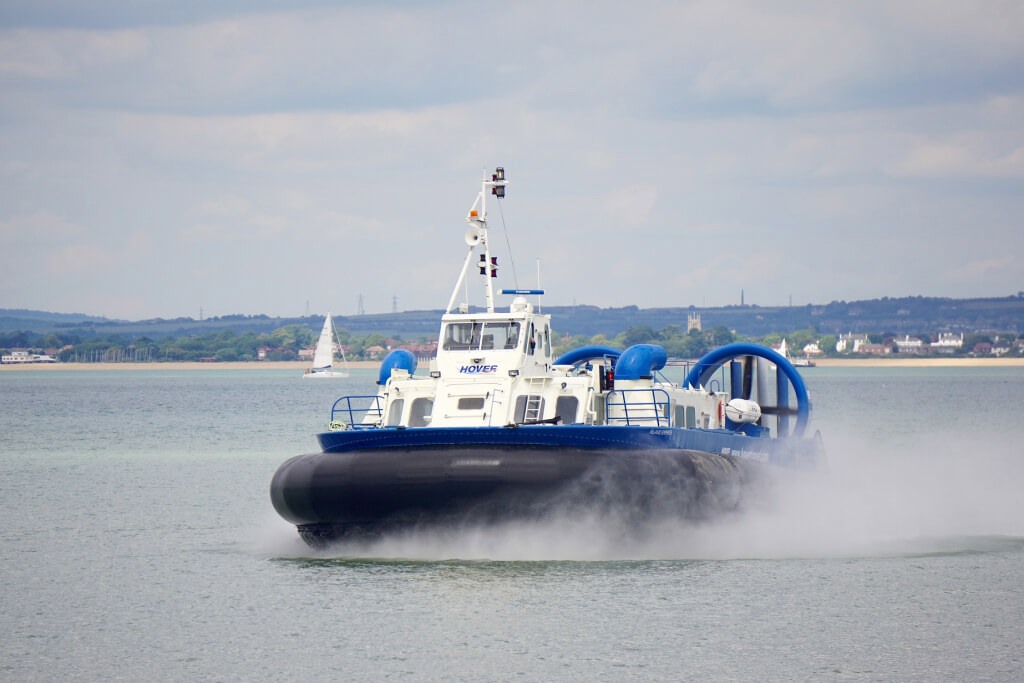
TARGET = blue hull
x,y
793,453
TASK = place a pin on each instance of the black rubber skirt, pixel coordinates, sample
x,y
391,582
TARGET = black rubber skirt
x,y
333,495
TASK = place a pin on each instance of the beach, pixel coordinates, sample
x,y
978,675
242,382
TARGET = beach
x,y
300,366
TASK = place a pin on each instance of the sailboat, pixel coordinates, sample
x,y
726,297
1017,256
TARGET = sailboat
x,y
798,361
323,356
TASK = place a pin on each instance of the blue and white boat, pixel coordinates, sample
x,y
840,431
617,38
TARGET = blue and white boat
x,y
497,428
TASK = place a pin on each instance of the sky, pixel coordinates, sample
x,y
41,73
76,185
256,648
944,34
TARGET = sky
x,y
292,157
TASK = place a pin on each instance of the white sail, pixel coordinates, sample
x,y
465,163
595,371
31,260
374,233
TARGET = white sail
x,y
323,357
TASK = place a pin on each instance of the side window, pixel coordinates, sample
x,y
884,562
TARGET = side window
x,y
419,412
511,336
531,340
547,341
566,408
395,412
471,403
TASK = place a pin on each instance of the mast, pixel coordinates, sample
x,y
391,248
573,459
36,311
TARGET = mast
x,y
476,236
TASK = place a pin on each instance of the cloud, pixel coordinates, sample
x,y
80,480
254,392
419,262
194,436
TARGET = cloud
x,y
224,206
39,227
986,140
295,142
935,159
64,55
631,206
985,268
288,215
101,261
939,159
691,56
276,135
80,259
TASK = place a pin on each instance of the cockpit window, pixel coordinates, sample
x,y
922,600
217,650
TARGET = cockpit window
x,y
474,336
506,335
462,336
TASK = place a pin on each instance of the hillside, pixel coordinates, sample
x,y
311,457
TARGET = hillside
x,y
910,315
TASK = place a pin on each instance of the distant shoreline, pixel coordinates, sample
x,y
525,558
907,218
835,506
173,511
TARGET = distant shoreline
x,y
918,362
297,366
300,367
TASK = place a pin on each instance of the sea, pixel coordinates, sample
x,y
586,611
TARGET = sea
x,y
138,542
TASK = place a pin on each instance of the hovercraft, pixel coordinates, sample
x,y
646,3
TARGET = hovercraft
x,y
498,429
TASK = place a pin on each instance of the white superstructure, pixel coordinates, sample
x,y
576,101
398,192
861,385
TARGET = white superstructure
x,y
495,367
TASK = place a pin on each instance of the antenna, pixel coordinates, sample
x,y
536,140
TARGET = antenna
x,y
476,236
394,304
541,291
361,310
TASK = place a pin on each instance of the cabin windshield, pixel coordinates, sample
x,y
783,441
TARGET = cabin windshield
x,y
473,336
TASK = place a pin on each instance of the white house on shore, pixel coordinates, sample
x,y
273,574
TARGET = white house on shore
x,y
948,342
909,345
26,357
851,341
812,349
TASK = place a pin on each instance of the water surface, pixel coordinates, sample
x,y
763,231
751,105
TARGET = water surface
x,y
139,543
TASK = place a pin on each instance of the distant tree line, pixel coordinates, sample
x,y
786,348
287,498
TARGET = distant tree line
x,y
284,343
677,343
696,343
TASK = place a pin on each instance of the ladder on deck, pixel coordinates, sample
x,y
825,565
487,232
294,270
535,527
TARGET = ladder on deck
x,y
534,401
